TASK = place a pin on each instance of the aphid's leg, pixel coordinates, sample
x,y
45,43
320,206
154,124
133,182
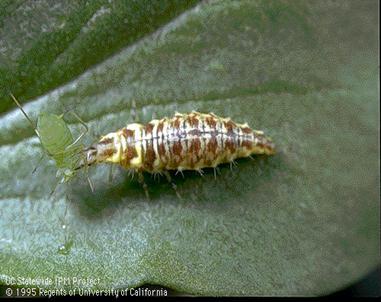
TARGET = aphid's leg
x,y
110,173
87,175
39,162
65,247
82,134
62,219
54,188
86,166
174,187
90,184
143,183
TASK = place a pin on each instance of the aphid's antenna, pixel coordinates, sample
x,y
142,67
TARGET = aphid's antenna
x,y
27,117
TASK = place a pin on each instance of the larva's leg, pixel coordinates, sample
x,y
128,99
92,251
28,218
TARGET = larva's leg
x,y
216,170
233,164
181,172
143,183
131,173
174,187
134,112
156,175
200,171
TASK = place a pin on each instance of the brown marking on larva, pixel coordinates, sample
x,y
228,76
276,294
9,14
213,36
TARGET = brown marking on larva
x,y
160,127
211,121
194,132
219,144
177,153
270,149
149,157
106,141
176,123
192,120
212,145
260,145
196,146
108,152
246,130
148,128
177,148
229,125
229,144
127,132
193,150
131,153
208,162
161,150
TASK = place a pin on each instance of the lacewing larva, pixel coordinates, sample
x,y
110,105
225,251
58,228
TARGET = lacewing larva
x,y
58,142
190,141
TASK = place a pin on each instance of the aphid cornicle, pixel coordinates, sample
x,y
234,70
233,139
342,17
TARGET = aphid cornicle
x,y
58,142
184,142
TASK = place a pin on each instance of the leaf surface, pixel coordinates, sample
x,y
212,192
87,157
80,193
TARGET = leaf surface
x,y
302,222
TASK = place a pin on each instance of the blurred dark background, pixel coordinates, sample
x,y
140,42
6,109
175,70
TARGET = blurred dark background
x,y
370,286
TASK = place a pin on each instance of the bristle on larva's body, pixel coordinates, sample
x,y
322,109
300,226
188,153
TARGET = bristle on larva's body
x,y
184,142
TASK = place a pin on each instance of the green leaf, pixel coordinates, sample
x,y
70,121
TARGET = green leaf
x,y
302,222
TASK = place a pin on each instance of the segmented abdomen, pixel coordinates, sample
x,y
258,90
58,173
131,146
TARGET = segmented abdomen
x,y
185,142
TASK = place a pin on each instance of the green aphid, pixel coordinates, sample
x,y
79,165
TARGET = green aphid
x,y
58,142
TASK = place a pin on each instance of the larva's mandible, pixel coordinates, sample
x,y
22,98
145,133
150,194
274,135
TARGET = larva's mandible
x,y
184,142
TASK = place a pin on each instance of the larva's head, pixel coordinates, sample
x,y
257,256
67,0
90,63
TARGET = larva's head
x,y
102,151
115,147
